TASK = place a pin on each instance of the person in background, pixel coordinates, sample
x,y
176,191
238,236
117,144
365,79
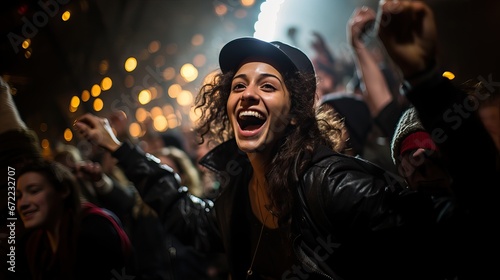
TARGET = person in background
x,y
69,156
159,255
69,239
418,158
115,193
373,68
428,170
19,147
378,84
471,157
349,106
332,70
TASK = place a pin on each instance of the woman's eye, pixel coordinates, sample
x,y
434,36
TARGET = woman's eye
x,y
268,87
34,190
238,87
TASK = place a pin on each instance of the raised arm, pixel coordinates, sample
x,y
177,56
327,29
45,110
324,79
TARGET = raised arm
x,y
190,218
409,34
376,92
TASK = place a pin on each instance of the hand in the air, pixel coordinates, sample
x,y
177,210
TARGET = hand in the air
x,y
408,32
97,131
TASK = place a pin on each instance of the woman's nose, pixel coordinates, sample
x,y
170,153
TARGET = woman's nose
x,y
249,95
22,203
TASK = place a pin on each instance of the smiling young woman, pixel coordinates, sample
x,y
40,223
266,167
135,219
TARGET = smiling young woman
x,y
291,205
67,237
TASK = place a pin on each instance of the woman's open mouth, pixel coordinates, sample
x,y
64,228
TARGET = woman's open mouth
x,y
250,120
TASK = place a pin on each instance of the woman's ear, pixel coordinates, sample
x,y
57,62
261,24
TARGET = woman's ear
x,y
293,121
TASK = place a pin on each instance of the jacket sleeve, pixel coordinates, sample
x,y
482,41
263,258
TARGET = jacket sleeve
x,y
362,197
369,220
190,218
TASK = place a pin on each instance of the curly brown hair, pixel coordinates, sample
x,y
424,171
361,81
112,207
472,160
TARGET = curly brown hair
x,y
314,126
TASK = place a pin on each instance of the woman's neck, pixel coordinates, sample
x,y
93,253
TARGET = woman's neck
x,y
259,161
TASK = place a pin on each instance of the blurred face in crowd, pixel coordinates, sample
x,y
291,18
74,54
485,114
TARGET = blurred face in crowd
x,y
424,171
38,203
258,106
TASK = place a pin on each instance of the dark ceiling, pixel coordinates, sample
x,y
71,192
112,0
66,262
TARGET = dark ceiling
x,y
66,56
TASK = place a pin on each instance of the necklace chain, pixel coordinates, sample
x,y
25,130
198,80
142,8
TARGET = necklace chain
x,y
264,220
250,271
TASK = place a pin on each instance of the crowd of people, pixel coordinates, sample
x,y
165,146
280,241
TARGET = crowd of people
x,y
394,175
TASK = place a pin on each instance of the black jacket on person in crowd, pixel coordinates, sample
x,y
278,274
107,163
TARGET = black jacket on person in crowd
x,y
352,220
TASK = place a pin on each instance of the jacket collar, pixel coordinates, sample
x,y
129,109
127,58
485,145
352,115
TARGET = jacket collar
x,y
320,153
219,158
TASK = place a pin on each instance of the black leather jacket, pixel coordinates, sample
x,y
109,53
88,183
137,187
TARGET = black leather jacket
x,y
353,215
350,214
352,220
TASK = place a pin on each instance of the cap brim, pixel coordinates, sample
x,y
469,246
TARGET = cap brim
x,y
242,50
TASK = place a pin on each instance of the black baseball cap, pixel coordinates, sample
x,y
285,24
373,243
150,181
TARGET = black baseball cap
x,y
285,58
